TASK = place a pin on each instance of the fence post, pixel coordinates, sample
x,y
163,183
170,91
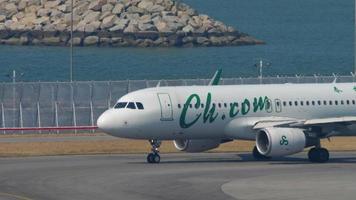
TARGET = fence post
x,y
21,116
91,106
56,115
39,116
3,116
74,117
56,120
38,107
73,107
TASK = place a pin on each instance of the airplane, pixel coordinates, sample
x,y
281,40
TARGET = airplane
x,y
283,119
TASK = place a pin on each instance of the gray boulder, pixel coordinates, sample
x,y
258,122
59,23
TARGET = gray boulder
x,y
119,8
11,7
96,5
52,4
91,16
92,27
108,22
22,5
120,25
91,40
131,28
81,8
145,4
64,8
2,18
107,8
188,29
134,9
51,41
146,27
155,8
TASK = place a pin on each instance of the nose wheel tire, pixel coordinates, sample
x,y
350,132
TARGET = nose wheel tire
x,y
319,155
153,158
258,156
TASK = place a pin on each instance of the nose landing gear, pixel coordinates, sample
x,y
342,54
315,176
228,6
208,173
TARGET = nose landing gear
x,y
154,156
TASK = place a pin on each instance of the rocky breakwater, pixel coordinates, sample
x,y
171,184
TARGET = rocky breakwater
x,y
140,23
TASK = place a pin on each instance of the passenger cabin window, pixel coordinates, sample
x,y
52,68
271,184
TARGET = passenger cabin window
x,y
140,106
131,105
179,106
120,105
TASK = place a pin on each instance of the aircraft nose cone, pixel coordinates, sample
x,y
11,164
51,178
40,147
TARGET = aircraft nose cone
x,y
103,122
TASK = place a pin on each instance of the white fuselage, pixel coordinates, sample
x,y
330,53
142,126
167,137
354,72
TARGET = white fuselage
x,y
224,111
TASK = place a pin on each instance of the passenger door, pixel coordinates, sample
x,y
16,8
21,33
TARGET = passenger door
x,y
278,105
166,106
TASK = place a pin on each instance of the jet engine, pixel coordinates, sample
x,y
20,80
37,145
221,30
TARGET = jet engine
x,y
282,141
194,146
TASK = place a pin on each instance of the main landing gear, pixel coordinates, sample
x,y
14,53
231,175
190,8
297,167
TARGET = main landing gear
x,y
317,154
154,157
258,156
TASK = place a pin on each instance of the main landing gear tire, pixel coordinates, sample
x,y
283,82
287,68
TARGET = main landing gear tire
x,y
319,155
154,157
258,156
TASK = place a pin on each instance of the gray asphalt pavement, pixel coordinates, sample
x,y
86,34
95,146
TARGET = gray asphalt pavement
x,y
179,176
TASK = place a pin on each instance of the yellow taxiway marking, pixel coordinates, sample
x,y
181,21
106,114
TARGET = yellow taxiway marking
x,y
14,196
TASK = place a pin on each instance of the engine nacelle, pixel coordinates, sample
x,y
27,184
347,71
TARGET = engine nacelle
x,y
280,141
194,146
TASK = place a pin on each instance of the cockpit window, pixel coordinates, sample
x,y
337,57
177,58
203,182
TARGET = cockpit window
x,y
120,105
139,105
131,105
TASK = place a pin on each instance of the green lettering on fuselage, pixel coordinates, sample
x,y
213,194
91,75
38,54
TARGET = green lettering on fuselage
x,y
210,113
233,110
259,103
182,120
245,107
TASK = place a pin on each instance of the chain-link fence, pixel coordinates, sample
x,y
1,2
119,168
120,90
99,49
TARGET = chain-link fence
x,y
58,104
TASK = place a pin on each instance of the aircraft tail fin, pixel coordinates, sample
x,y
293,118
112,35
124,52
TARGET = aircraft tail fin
x,y
216,78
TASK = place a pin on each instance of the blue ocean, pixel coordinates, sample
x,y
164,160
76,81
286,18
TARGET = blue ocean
x,y
303,37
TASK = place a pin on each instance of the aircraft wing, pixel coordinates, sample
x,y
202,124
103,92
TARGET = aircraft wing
x,y
347,120
300,123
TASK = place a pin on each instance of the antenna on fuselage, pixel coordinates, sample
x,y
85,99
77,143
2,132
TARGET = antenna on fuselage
x,y
216,78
